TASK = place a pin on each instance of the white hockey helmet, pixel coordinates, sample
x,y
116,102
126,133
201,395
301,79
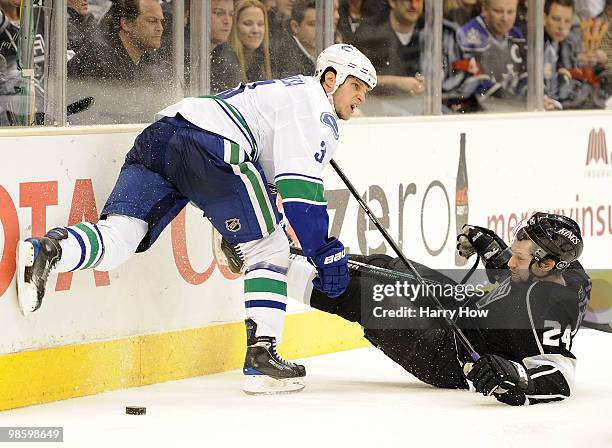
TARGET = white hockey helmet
x,y
346,60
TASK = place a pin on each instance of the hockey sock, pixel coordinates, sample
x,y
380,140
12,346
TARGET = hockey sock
x,y
265,298
82,249
104,245
299,279
265,282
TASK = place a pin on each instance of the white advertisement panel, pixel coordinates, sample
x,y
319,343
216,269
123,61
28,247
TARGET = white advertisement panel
x,y
408,169
515,165
55,180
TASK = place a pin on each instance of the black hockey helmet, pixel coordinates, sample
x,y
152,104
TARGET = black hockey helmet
x,y
554,236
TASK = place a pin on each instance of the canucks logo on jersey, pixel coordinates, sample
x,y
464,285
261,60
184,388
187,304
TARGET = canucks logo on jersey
x,y
330,121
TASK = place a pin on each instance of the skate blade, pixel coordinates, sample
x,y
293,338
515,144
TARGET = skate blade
x,y
26,292
266,385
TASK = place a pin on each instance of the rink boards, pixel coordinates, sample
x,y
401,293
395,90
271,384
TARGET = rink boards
x,y
174,312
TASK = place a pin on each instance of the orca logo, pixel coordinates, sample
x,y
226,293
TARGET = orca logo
x,y
330,121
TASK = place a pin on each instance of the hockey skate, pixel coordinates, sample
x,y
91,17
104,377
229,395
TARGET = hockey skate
x,y
35,259
266,372
227,254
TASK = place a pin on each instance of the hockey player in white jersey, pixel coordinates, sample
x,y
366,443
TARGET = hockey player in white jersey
x,y
228,154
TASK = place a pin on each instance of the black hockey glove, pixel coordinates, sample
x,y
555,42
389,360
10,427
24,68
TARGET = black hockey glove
x,y
492,372
491,249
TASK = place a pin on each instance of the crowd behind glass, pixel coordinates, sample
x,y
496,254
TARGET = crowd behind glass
x,y
121,66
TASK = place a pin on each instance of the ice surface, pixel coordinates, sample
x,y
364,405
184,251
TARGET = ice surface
x,y
355,398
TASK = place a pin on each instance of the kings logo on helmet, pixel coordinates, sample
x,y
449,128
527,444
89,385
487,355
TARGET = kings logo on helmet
x,y
569,235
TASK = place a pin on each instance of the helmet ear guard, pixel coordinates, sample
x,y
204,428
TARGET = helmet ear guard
x,y
346,60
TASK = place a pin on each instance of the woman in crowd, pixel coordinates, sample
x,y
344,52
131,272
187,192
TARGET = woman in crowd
x,y
249,39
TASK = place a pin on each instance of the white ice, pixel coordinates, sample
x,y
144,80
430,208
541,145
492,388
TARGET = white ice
x,y
353,399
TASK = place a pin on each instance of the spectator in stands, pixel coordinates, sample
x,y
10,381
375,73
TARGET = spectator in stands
x,y
279,31
21,103
225,68
9,34
494,55
127,54
166,50
606,42
353,12
249,39
10,76
395,49
592,59
606,47
278,18
461,11
10,9
81,25
521,16
338,38
299,52
123,72
587,9
295,52
269,4
561,56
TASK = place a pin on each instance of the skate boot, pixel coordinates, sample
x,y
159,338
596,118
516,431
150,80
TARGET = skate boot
x,y
227,254
35,259
266,372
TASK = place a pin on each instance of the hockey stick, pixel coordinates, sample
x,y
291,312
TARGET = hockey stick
x,y
71,109
373,270
79,106
453,326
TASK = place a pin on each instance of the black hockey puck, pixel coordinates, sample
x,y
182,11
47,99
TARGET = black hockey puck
x,y
135,410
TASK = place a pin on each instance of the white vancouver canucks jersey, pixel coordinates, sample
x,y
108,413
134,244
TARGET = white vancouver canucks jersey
x,y
290,128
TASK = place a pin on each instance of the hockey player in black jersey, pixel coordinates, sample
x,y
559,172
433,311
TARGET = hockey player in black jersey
x,y
532,315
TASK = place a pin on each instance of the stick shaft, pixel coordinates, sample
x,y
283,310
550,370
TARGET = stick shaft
x,y
453,326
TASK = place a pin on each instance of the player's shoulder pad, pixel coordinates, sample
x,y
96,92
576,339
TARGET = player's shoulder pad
x,y
576,276
554,301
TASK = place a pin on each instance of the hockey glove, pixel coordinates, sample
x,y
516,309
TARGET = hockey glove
x,y
492,372
492,250
332,269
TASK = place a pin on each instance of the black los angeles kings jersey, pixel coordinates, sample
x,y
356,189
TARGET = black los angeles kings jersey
x,y
533,324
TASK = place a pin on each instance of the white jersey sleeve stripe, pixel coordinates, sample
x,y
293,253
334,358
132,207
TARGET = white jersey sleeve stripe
x,y
545,372
533,328
298,176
